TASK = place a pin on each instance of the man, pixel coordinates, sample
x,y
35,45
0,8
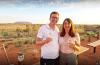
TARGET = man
x,y
47,38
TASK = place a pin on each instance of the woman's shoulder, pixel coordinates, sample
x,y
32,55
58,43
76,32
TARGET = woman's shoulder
x,y
76,34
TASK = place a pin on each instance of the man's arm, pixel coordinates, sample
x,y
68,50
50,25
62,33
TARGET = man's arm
x,y
40,42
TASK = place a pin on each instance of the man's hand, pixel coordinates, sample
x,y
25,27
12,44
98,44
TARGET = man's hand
x,y
40,42
48,39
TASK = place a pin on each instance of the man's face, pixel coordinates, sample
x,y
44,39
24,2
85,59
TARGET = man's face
x,y
54,19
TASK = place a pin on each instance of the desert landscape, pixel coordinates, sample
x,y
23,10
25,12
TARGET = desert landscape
x,y
12,48
21,19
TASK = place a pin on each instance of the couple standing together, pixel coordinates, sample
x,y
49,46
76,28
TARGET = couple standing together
x,y
57,47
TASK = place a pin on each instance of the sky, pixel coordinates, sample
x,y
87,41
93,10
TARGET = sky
x,y
38,11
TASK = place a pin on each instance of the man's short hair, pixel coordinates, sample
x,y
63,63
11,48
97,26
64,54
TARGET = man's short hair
x,y
54,12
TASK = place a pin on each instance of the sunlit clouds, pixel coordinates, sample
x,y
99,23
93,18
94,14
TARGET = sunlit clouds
x,y
37,11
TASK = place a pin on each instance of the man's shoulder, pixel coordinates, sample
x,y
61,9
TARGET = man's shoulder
x,y
43,26
57,28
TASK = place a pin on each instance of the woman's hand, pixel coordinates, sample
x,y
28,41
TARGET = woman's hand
x,y
77,46
71,45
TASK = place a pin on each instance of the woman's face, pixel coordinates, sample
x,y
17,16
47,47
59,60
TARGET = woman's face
x,y
67,25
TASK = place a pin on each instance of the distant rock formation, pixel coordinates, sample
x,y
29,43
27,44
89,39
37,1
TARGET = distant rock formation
x,y
23,22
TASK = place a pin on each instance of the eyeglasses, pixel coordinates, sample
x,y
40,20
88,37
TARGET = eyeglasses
x,y
55,17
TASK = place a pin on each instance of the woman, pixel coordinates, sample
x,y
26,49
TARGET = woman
x,y
68,40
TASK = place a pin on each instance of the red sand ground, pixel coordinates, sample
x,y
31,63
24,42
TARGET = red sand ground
x,y
86,58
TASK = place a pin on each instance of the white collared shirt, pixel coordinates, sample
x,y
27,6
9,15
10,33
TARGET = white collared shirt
x,y
51,49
